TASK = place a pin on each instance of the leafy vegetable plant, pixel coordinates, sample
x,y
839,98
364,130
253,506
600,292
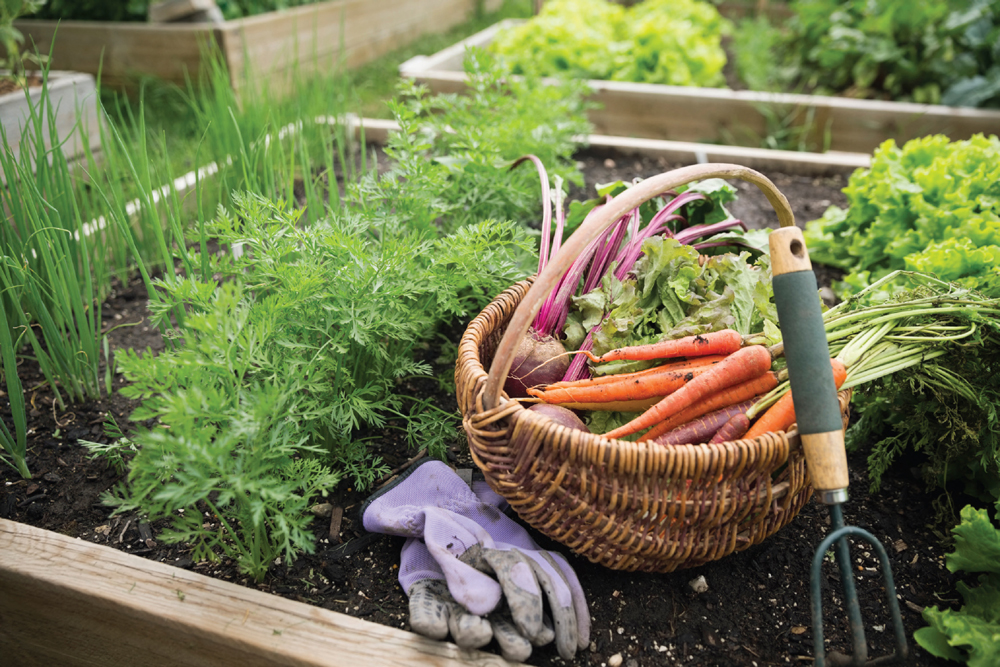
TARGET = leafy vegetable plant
x,y
469,140
293,353
11,38
931,206
676,42
929,52
970,634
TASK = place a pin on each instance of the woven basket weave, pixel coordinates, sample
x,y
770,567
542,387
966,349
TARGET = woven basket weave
x,y
625,505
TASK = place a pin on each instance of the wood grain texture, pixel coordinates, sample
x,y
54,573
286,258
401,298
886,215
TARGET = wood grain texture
x,y
327,35
72,98
788,251
681,113
317,37
827,460
99,606
127,50
686,152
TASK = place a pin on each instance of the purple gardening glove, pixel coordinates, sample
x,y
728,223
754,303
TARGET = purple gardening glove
x,y
434,612
469,538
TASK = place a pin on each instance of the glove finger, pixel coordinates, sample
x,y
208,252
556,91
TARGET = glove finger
x,y
472,589
468,630
579,599
560,602
513,645
547,633
520,589
429,608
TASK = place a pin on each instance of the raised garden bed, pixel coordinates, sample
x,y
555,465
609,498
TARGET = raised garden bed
x,y
653,111
755,611
73,99
310,38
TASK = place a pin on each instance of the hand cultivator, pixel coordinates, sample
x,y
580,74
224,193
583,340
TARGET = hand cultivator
x,y
821,430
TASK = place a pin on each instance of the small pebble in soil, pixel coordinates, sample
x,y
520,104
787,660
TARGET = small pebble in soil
x,y
322,510
698,585
615,660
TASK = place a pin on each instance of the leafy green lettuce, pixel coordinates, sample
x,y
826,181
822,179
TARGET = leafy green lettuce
x,y
972,633
671,296
931,206
675,42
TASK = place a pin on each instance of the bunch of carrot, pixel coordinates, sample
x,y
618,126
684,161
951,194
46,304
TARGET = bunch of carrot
x,y
710,392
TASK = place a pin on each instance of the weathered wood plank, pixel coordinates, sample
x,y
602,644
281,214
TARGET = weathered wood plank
x,y
317,37
126,50
257,46
677,113
685,152
68,602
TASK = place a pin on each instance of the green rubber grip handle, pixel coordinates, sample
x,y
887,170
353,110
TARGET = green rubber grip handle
x,y
807,353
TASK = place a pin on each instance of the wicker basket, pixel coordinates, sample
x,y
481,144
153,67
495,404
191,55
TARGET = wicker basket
x,y
625,505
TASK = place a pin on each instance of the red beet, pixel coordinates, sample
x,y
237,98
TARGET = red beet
x,y
560,415
539,360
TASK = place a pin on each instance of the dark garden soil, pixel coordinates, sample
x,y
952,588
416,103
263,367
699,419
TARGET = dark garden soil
x,y
755,611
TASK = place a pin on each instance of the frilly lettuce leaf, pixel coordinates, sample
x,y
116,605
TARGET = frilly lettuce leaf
x,y
972,633
673,295
932,204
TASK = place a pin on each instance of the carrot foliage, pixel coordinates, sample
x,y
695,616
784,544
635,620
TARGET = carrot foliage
x,y
298,350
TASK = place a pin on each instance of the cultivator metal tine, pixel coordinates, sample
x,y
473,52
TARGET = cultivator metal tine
x,y
821,430
859,657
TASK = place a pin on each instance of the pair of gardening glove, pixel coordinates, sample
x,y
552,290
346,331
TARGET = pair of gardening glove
x,y
474,573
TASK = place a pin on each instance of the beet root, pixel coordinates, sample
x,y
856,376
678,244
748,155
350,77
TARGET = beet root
x,y
539,360
560,415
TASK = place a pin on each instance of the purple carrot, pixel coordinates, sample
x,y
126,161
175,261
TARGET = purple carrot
x,y
735,428
702,429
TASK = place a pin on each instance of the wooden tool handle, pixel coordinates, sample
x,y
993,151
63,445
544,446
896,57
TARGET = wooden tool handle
x,y
817,410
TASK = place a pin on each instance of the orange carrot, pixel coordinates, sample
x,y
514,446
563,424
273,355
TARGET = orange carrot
x,y
781,415
737,394
732,429
683,364
725,341
744,364
637,405
630,387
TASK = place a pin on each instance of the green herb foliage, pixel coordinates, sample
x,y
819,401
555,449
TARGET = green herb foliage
x,y
676,42
945,410
291,350
246,464
931,206
11,38
927,52
970,634
302,344
468,141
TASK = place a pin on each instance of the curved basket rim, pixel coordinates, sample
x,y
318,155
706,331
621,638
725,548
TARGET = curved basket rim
x,y
507,404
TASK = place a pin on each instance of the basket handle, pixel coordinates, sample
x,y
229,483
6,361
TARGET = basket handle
x,y
590,230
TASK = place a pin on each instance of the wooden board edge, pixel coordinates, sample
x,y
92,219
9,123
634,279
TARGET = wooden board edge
x,y
763,159
439,62
442,63
98,605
